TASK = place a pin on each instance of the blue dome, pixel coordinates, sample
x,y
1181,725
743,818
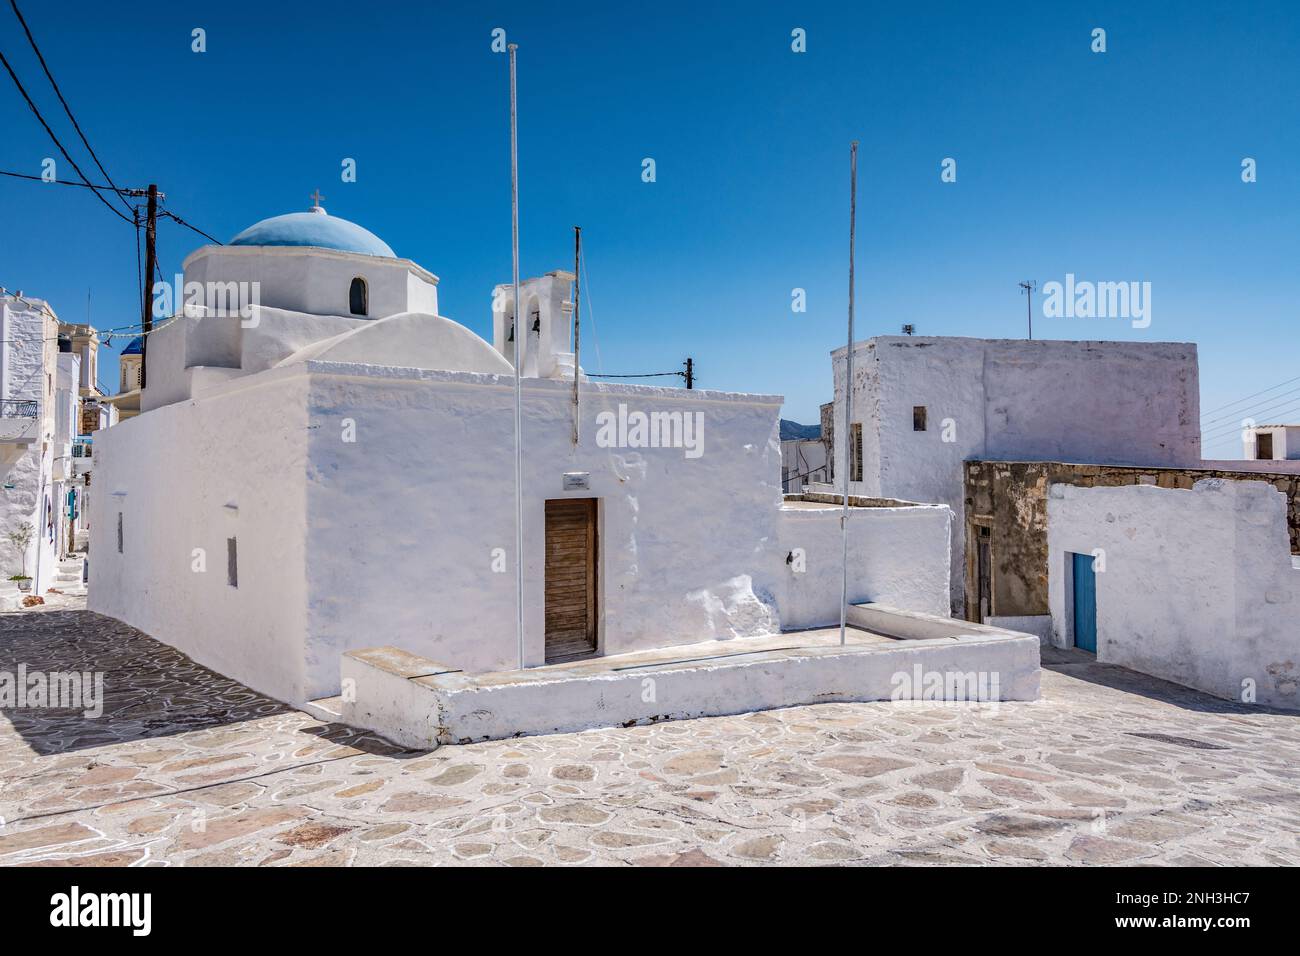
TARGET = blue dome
x,y
314,229
134,347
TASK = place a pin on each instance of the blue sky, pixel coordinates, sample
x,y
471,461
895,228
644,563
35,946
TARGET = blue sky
x,y
1115,167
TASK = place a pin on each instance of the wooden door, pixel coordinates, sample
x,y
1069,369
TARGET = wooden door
x,y
571,562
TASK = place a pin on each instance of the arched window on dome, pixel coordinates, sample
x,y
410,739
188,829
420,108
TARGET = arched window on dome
x,y
358,297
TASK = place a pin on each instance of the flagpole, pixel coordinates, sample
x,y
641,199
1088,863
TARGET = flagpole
x,y
848,391
519,336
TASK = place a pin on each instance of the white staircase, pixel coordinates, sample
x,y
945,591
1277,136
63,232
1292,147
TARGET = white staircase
x,y
67,577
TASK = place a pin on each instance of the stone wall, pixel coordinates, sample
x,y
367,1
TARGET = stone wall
x,y
1010,497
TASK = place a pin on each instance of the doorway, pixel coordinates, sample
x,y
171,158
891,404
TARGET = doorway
x,y
571,579
1085,602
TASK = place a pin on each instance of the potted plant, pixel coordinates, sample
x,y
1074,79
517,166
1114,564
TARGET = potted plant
x,y
20,536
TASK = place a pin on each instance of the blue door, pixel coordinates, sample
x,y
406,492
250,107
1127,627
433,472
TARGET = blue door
x,y
1085,603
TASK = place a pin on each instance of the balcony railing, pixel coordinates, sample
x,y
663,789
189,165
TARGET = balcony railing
x,y
18,408
82,449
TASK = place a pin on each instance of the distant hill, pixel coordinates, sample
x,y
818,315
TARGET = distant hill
x,y
793,431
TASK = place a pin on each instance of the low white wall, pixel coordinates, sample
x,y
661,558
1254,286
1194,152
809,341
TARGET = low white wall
x,y
1040,625
897,556
188,476
1198,585
456,708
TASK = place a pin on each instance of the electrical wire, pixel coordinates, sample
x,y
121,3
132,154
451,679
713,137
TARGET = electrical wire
x,y
66,108
37,113
178,219
125,192
640,375
1252,414
56,182
1248,397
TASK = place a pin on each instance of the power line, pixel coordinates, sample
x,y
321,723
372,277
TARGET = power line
x,y
37,113
122,192
1271,388
641,375
1252,413
135,330
178,219
57,182
66,108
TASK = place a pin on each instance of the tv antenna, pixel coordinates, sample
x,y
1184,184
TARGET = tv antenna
x,y
1028,288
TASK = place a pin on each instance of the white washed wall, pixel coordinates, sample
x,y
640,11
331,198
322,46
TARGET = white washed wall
x,y
1198,588
174,473
897,556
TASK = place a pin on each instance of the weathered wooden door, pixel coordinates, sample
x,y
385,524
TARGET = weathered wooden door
x,y
571,592
1085,603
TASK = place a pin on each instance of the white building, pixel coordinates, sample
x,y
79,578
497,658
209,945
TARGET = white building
x,y
1272,443
922,405
1196,586
287,492
804,461
40,382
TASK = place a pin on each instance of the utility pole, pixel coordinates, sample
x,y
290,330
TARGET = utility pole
x,y
577,265
690,372
1028,288
150,264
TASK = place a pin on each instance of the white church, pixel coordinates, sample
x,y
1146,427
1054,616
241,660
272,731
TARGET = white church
x,y
328,466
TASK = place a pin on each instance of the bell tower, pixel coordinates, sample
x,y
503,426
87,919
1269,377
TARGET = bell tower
x,y
547,308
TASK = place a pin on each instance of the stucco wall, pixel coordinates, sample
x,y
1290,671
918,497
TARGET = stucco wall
x,y
1011,498
190,476
1198,585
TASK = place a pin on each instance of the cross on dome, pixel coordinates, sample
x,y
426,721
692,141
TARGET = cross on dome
x,y
315,198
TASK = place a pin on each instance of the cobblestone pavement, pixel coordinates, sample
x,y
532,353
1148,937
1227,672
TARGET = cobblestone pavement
x,y
186,767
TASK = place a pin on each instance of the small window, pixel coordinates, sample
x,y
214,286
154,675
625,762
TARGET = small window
x,y
232,563
119,532
855,450
358,297
918,418
1263,446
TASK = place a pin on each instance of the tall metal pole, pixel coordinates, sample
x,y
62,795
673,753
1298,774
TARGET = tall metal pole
x,y
519,337
848,390
577,265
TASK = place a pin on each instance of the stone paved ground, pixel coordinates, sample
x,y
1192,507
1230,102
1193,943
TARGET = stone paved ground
x,y
189,768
